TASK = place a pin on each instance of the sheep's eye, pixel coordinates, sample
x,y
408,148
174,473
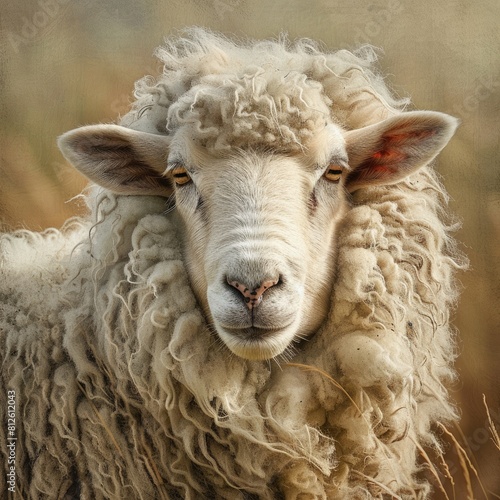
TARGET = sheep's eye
x,y
333,173
180,175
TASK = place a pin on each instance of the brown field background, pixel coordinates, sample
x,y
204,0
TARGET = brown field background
x,y
68,63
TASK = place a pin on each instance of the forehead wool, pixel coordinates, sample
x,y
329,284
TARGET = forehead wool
x,y
275,109
259,93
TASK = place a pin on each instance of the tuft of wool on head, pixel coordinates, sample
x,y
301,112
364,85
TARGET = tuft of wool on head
x,y
271,93
122,389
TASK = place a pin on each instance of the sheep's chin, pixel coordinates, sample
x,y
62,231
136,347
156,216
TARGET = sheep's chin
x,y
257,349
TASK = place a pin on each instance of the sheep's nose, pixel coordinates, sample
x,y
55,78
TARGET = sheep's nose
x,y
253,296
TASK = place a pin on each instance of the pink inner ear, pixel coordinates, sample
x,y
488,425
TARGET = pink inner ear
x,y
381,162
386,152
388,155
391,151
384,162
409,136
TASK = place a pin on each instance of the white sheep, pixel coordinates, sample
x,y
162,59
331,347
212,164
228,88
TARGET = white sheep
x,y
282,333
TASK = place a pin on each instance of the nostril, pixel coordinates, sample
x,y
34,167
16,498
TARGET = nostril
x,y
252,295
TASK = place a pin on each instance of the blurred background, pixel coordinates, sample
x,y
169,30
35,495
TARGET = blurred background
x,y
66,63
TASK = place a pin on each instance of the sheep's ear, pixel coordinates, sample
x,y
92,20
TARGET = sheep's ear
x,y
122,160
388,151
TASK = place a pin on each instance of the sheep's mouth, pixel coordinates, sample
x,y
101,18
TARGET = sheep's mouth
x,y
255,343
253,333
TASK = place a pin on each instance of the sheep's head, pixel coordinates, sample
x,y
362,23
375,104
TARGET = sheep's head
x,y
259,224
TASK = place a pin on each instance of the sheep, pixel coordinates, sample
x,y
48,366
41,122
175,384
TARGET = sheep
x,y
257,304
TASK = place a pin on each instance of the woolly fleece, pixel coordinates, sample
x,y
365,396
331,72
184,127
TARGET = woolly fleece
x,y
122,390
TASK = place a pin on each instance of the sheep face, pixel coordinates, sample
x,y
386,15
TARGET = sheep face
x,y
259,237
259,224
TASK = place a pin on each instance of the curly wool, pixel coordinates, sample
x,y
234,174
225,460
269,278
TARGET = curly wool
x,y
122,389
263,93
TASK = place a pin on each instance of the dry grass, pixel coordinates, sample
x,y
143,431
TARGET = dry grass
x,y
469,475
493,430
465,464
